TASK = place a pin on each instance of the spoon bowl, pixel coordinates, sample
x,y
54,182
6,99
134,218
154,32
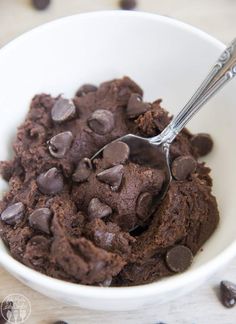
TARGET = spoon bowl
x,y
100,53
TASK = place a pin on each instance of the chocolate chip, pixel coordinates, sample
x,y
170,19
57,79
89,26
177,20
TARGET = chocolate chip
x,y
183,166
202,144
60,322
39,240
136,106
143,205
59,144
50,182
116,153
97,209
40,4
112,176
101,121
179,258
40,219
128,4
83,170
86,88
13,214
63,110
228,293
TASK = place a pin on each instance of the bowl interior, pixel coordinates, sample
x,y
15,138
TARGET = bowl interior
x,y
166,58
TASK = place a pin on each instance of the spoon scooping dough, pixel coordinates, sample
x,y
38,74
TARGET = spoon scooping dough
x,y
154,151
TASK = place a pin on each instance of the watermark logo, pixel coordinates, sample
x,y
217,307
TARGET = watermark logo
x,y
15,308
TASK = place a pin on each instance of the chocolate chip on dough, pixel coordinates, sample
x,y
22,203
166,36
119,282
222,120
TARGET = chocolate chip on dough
x,y
63,110
101,121
50,182
59,144
13,214
97,209
116,152
112,176
136,106
183,166
40,219
179,258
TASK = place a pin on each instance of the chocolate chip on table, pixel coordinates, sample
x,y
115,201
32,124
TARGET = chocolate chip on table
x,y
116,153
63,110
83,170
228,293
59,144
112,176
40,4
183,166
143,205
97,209
50,182
85,89
179,258
13,214
128,4
202,144
101,121
136,106
40,219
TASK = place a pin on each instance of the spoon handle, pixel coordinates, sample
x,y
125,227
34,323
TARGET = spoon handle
x,y
223,71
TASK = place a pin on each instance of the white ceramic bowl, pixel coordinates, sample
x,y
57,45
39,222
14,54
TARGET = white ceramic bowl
x,y
168,59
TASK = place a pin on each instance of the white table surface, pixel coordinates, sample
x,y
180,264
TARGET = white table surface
x,y
217,17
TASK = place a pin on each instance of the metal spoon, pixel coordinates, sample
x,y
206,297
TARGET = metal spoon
x,y
154,151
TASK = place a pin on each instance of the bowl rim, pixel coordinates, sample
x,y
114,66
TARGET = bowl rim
x,y
168,284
